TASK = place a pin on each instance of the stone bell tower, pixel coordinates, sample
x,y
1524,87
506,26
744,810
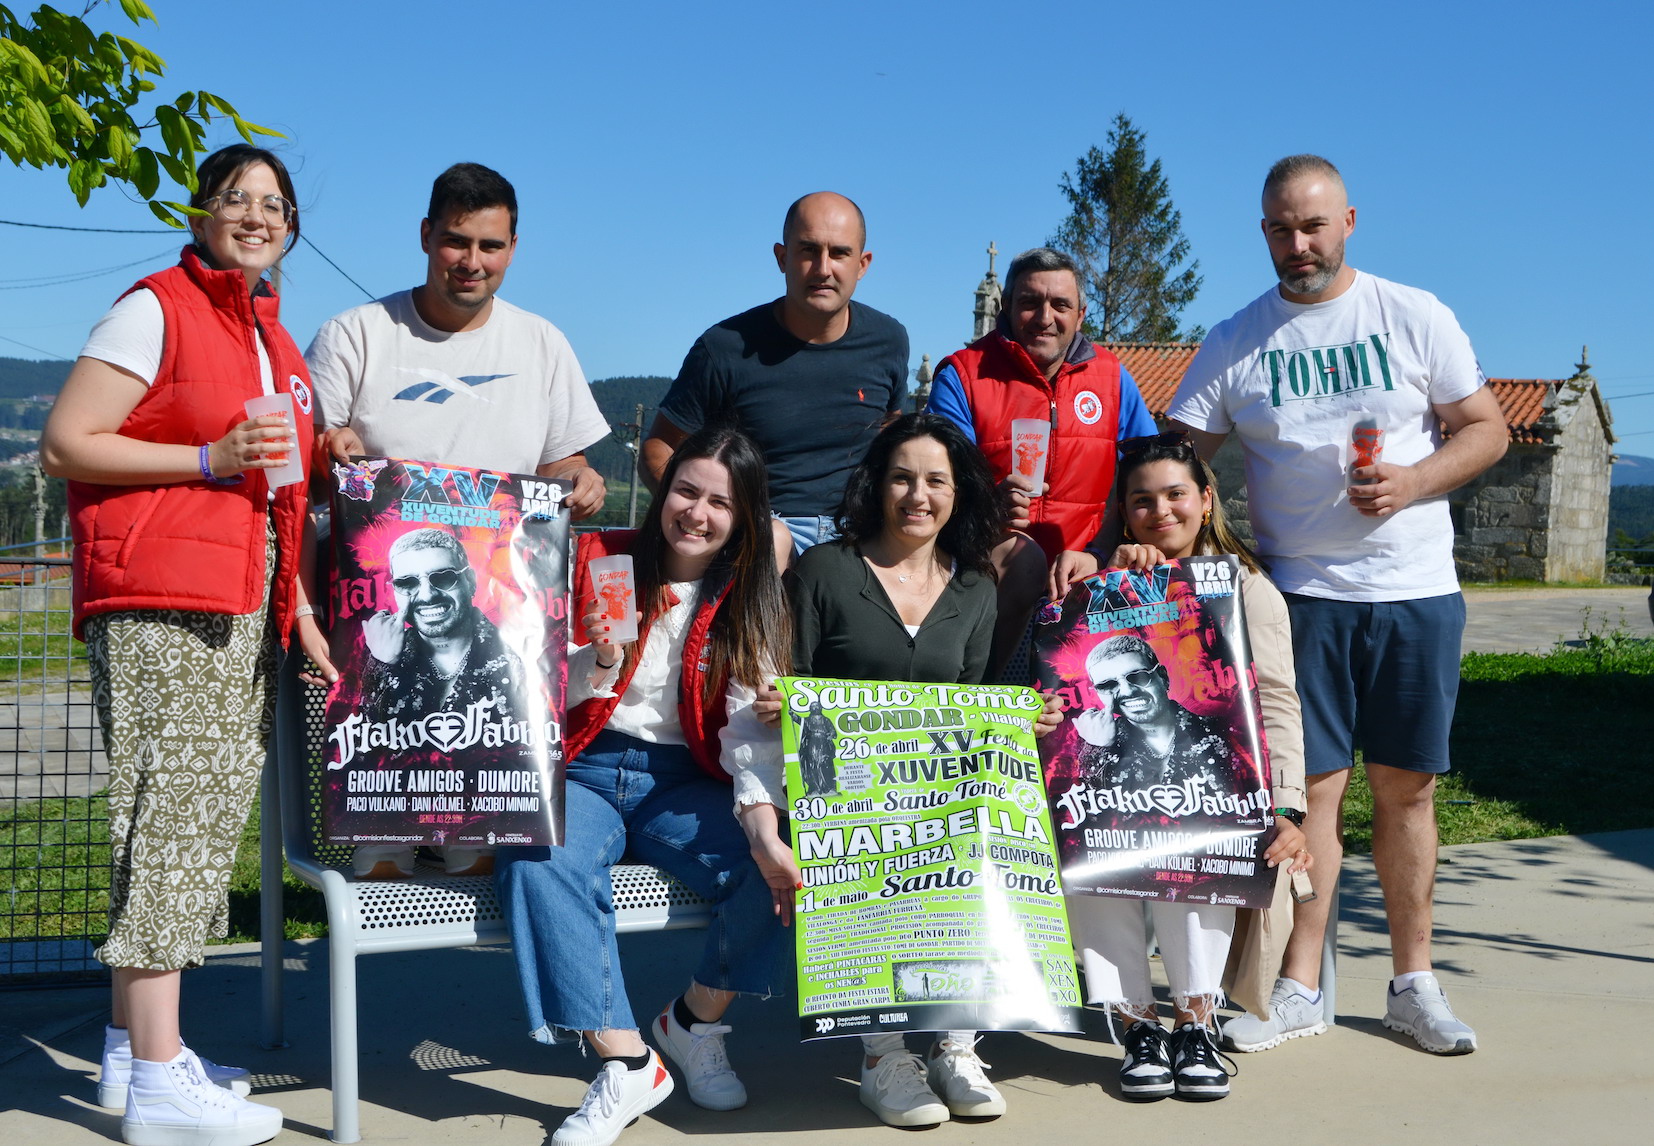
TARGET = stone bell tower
x,y
988,302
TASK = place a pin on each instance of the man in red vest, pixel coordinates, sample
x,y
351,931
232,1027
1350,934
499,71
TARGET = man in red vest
x,y
1039,364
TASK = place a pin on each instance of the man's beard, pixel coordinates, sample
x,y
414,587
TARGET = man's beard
x,y
1314,280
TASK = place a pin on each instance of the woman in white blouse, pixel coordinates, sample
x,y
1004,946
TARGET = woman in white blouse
x,y
659,730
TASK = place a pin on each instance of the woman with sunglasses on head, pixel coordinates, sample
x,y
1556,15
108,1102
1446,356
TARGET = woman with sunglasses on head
x,y
187,584
658,728
907,593
1169,502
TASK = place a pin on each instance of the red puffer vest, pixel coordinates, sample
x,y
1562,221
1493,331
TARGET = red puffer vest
x,y
195,545
1083,404
701,723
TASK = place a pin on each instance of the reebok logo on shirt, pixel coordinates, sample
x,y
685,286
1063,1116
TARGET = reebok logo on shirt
x,y
436,387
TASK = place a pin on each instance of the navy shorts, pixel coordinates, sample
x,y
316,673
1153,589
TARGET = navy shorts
x,y
1381,676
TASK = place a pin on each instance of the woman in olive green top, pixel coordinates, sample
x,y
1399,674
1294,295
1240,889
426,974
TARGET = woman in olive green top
x,y
907,594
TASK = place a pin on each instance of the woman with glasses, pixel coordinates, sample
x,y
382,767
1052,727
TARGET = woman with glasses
x,y
667,765
187,584
1168,499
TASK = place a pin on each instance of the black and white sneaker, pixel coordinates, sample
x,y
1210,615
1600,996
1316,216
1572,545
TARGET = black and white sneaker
x,y
1198,1067
1146,1069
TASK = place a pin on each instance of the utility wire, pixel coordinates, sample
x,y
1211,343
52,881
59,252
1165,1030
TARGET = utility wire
x,y
37,349
171,231
78,276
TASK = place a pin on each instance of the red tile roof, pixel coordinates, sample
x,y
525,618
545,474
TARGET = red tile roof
x,y
1158,367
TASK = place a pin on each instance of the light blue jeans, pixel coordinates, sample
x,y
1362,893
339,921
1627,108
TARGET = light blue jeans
x,y
655,805
809,531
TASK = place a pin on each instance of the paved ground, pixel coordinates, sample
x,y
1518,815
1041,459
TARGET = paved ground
x,y
1533,620
1547,947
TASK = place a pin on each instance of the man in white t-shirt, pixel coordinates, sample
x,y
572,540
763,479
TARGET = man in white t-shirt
x,y
447,372
1338,384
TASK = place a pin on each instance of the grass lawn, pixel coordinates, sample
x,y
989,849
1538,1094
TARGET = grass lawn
x,y
54,876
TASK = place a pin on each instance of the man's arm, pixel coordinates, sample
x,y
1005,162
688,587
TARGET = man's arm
x,y
1205,442
1479,438
589,490
664,437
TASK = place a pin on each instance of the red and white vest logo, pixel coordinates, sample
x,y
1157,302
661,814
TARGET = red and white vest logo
x,y
301,392
1088,407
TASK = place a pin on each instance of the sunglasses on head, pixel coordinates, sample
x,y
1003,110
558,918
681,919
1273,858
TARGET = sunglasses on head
x,y
1137,678
441,580
1172,439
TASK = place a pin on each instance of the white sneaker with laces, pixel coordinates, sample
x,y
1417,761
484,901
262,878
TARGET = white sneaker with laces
x,y
173,1104
958,1075
897,1092
116,1071
615,1098
699,1053
1291,1016
1422,1011
466,861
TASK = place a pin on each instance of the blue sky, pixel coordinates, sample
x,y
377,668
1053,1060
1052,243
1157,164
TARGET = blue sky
x,y
1497,155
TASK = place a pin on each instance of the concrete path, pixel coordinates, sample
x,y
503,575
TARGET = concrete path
x,y
1533,620
1546,946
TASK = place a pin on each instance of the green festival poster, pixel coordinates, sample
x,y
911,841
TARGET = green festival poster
x,y
930,896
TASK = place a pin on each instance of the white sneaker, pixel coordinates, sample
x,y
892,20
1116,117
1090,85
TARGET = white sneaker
x,y
897,1092
116,1071
1422,1011
615,1098
957,1075
1291,1016
699,1053
173,1104
382,861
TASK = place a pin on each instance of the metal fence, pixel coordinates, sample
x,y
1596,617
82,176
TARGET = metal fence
x,y
54,853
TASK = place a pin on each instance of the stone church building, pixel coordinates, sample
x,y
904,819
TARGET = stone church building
x,y
1540,514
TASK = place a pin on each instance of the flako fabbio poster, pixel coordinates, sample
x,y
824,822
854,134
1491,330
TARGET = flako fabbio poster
x,y
1159,775
931,899
449,604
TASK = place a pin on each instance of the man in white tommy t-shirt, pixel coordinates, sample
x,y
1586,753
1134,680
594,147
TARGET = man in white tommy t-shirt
x,y
447,372
1311,376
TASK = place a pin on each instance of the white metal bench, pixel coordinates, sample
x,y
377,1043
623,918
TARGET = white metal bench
x,y
431,910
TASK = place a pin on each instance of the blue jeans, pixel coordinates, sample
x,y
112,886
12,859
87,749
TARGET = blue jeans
x,y
809,531
655,805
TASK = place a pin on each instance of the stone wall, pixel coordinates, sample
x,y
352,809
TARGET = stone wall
x,y
1499,520
1579,494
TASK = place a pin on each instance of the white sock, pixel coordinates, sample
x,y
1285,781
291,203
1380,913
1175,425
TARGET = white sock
x,y
1299,989
966,1039
1405,980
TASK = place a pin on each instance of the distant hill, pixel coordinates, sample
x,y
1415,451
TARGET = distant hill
x,y
25,377
1633,470
618,398
1631,509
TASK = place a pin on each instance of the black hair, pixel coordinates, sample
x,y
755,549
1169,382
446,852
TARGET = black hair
x,y
977,523
466,188
219,171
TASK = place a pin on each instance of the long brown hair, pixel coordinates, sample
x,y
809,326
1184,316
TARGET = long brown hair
x,y
1215,536
751,636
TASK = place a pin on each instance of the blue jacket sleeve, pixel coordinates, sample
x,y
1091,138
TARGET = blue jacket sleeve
x,y
1135,419
947,398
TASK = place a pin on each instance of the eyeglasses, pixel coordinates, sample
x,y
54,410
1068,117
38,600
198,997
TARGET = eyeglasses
x,y
1172,439
233,205
442,580
1137,678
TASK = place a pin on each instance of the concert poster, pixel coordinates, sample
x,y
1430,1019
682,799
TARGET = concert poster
x,y
449,608
930,896
1159,773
